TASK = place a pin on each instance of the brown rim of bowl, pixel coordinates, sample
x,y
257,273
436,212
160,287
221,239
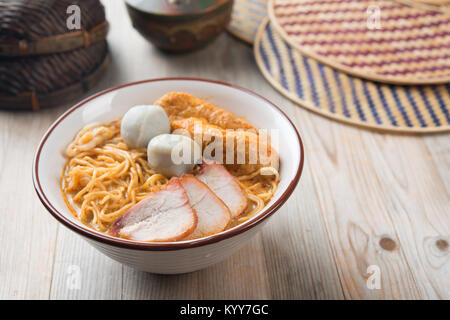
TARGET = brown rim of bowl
x,y
182,14
155,246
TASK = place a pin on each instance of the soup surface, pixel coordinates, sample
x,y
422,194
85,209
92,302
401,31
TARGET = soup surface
x,y
104,178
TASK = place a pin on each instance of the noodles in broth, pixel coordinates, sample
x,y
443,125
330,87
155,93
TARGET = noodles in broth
x,y
104,178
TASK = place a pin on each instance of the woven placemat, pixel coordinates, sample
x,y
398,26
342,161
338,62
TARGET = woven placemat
x,y
409,45
437,5
246,17
337,95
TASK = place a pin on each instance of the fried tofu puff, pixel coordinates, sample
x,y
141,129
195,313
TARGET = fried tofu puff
x,y
180,105
243,160
184,110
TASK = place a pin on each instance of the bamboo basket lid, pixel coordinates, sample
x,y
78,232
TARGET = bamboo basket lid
x,y
378,40
41,26
42,62
50,80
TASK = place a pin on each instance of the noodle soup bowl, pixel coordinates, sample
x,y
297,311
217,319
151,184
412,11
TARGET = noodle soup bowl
x,y
166,257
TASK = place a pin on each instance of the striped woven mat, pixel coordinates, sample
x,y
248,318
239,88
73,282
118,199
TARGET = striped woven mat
x,y
246,17
346,98
438,5
379,40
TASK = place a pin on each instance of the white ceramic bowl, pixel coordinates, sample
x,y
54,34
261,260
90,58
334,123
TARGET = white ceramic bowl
x,y
166,257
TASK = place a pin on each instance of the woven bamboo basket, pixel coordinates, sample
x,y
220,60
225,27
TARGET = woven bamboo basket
x,y
43,63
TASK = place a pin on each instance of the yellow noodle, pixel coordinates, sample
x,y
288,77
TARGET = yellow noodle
x,y
102,176
259,189
105,178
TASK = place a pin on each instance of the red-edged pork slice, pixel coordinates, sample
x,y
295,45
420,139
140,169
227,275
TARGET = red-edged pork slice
x,y
165,215
213,215
225,186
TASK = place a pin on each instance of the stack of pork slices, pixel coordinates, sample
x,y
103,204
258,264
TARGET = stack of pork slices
x,y
186,208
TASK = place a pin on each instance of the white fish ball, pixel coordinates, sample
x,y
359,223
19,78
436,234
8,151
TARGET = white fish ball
x,y
141,123
173,154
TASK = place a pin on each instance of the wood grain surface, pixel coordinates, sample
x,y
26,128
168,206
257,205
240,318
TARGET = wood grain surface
x,y
365,199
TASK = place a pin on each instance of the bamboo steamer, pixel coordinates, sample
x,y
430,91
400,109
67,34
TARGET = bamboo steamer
x,y
42,62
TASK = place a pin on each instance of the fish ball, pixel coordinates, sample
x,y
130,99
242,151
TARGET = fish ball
x,y
142,123
173,154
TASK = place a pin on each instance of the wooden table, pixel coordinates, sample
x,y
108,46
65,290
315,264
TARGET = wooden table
x,y
364,199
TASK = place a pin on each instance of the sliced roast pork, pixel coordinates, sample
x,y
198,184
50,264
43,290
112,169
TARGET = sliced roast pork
x,y
213,215
225,186
165,215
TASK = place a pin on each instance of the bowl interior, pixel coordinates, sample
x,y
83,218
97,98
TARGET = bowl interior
x,y
112,104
